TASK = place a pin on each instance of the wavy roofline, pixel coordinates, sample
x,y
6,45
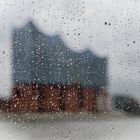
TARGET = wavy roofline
x,y
33,23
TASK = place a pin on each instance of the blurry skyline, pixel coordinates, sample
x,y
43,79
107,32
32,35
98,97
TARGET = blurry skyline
x,y
107,27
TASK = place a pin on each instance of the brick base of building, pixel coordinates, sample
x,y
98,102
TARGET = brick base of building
x,y
33,98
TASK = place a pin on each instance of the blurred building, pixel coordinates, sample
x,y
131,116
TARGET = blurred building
x,y
44,59
49,76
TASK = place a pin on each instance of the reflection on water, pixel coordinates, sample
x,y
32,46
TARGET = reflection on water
x,y
114,129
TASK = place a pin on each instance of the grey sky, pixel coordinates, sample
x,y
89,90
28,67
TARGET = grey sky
x,y
82,25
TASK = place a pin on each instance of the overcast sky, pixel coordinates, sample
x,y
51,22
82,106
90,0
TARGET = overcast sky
x,y
107,27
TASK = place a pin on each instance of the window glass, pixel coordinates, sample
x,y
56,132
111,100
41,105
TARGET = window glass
x,y
69,69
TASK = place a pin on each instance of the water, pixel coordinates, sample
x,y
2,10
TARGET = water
x,y
114,129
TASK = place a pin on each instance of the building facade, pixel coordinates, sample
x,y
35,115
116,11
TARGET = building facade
x,y
49,76
43,59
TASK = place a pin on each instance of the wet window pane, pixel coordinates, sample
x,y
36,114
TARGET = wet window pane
x,y
69,69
